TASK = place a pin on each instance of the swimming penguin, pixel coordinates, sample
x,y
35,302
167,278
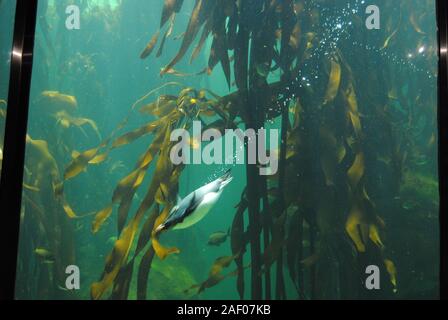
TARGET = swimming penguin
x,y
195,206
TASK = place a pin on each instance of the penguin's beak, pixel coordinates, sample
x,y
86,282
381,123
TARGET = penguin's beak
x,y
160,228
226,182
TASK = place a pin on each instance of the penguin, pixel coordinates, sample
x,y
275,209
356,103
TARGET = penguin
x,y
191,209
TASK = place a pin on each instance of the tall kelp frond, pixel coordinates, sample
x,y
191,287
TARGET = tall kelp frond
x,y
171,112
46,217
326,136
323,211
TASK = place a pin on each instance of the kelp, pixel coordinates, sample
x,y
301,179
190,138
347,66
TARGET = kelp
x,y
278,240
46,166
215,274
339,89
325,192
162,187
333,82
46,217
170,7
150,46
392,270
80,162
66,121
3,105
190,33
238,242
55,101
122,249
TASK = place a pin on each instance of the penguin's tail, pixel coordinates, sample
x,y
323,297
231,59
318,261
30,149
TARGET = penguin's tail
x,y
225,178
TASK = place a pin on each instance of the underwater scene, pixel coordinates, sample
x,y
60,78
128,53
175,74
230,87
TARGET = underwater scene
x,y
7,12
229,149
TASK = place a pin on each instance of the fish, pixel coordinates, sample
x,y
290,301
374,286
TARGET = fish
x,y
194,207
62,288
421,160
116,166
217,238
44,254
409,204
25,185
111,240
389,38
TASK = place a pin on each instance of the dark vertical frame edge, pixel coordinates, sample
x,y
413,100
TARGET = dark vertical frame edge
x,y
442,22
14,141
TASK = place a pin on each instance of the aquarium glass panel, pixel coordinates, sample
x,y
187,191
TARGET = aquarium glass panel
x,y
7,13
231,150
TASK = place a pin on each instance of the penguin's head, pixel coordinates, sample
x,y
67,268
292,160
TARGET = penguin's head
x,y
225,179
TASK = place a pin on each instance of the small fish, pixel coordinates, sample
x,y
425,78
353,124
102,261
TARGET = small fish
x,y
421,161
118,165
79,226
44,254
217,238
111,240
409,205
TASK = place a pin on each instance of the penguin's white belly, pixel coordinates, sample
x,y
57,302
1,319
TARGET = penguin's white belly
x,y
200,212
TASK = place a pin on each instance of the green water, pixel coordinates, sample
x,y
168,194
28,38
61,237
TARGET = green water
x,y
394,73
7,24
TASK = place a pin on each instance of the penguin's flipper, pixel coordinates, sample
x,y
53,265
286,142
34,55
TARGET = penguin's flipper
x,y
182,210
192,205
